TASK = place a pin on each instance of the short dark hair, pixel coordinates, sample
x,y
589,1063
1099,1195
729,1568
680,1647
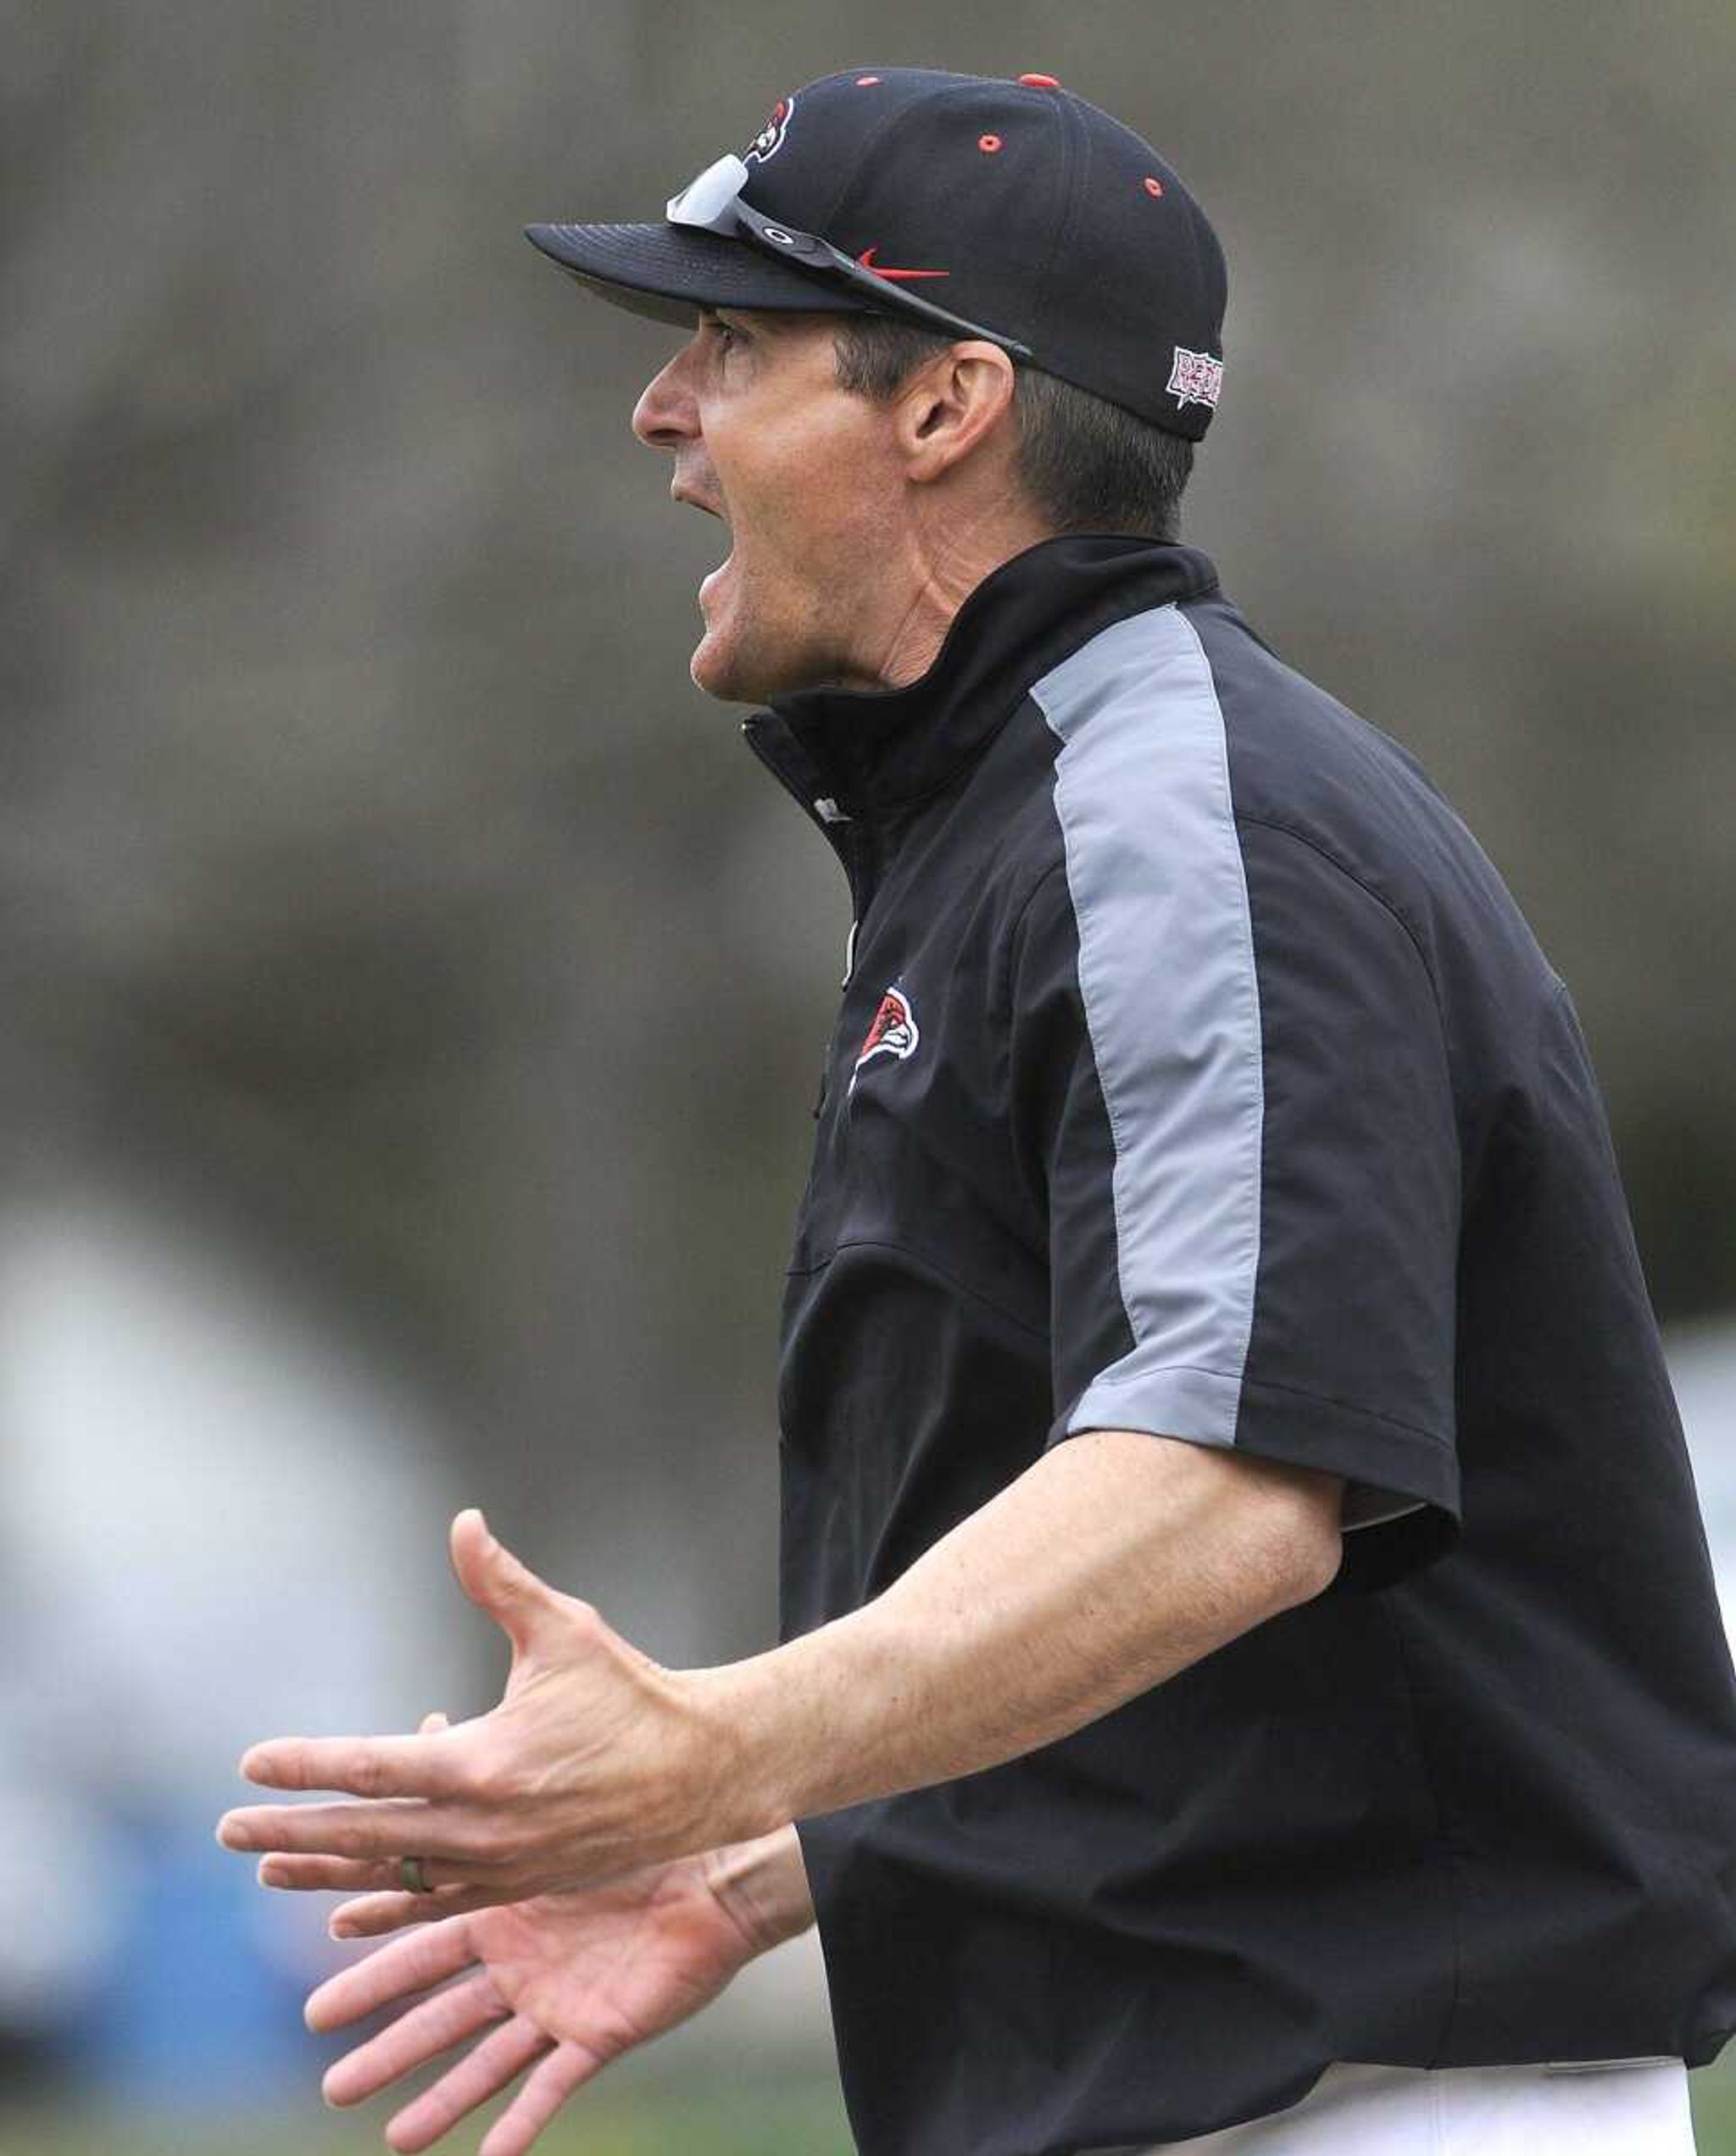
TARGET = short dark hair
x,y
1085,464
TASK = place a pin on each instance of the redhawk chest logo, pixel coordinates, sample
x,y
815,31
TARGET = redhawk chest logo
x,y
894,1032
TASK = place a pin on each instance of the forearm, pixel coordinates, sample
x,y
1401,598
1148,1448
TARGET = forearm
x,y
1115,1561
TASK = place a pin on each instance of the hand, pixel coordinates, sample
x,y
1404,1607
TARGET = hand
x,y
563,1983
596,1763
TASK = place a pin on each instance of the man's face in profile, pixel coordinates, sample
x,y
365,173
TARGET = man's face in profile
x,y
802,472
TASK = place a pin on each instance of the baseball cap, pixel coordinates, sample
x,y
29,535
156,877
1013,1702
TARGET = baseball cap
x,y
1015,211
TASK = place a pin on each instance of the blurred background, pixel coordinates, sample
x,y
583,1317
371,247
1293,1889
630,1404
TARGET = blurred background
x,y
414,990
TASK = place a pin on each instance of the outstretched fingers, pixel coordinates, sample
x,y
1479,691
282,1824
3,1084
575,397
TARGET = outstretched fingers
x,y
364,1766
549,2086
305,1874
385,1830
480,2074
371,1915
408,1964
327,1874
421,2034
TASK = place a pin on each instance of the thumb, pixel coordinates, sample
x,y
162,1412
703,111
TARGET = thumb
x,y
497,1581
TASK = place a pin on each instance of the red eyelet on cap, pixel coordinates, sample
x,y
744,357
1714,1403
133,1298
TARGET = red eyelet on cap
x,y
1153,186
1039,82
988,143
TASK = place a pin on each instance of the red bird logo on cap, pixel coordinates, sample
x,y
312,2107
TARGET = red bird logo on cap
x,y
769,139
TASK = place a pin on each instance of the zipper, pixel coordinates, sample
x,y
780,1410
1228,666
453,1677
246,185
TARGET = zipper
x,y
795,771
850,838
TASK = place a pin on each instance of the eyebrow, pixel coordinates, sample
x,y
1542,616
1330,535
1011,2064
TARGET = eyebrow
x,y
762,326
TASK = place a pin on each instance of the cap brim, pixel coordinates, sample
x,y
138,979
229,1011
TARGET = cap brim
x,y
670,271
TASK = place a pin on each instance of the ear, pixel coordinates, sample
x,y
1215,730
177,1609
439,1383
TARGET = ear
x,y
953,405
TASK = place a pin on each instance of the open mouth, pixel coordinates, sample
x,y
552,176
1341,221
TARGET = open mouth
x,y
716,575
699,502
723,568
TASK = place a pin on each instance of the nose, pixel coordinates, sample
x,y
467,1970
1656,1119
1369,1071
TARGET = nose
x,y
667,413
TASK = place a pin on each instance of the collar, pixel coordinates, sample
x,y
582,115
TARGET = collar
x,y
850,753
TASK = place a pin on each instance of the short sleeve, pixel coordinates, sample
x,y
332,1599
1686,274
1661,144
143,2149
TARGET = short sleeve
x,y
1232,1094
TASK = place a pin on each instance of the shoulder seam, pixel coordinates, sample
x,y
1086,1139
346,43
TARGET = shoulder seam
x,y
1396,914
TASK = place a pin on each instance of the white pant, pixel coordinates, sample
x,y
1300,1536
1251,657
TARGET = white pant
x,y
1614,2108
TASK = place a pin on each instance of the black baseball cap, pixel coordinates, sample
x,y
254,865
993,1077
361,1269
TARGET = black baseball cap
x,y
1014,211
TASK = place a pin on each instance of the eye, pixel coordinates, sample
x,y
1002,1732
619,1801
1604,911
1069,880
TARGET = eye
x,y
728,335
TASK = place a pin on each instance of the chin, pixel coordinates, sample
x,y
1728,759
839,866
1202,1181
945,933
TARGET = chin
x,y
720,676
735,673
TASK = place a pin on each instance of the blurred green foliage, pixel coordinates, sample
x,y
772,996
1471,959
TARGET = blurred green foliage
x,y
795,2122
792,2123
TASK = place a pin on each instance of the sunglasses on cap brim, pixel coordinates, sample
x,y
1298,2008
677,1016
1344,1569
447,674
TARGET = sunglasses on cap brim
x,y
712,203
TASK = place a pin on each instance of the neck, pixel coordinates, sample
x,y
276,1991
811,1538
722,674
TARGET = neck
x,y
939,574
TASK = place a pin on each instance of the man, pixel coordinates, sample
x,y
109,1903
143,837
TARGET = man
x,y
1251,1678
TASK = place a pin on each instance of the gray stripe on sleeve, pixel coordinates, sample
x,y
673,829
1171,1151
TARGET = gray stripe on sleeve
x,y
1172,1007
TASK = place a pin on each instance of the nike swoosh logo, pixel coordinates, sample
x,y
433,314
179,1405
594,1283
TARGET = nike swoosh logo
x,y
866,259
